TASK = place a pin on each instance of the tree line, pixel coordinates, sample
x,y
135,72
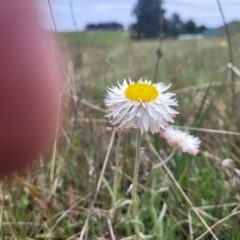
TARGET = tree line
x,y
113,26
151,20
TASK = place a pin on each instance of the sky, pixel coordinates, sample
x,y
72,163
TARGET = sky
x,y
94,11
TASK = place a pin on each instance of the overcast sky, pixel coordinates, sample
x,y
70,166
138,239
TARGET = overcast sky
x,y
94,11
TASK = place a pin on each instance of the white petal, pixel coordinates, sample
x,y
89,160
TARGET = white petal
x,y
154,114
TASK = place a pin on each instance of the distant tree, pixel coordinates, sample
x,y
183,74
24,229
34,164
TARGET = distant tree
x,y
190,27
201,29
150,19
175,25
105,26
148,15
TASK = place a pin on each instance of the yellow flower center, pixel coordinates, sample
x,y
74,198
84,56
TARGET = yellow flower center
x,y
141,92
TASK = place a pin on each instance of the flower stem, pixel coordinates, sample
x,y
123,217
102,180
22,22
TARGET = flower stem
x,y
117,175
135,178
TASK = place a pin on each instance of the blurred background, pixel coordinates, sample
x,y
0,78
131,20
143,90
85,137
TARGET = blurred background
x,y
195,45
202,13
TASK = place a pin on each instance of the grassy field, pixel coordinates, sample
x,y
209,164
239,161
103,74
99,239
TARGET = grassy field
x,y
181,200
96,38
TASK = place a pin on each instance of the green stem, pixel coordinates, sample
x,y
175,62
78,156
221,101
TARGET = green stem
x,y
116,174
156,141
135,178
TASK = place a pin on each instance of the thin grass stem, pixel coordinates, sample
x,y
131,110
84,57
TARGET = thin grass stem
x,y
117,172
181,190
217,223
100,180
165,161
135,180
229,46
55,142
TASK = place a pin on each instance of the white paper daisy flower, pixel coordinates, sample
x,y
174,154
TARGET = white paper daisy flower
x,y
140,104
181,140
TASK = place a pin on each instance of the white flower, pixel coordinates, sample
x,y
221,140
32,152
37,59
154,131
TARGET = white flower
x,y
228,163
181,140
140,104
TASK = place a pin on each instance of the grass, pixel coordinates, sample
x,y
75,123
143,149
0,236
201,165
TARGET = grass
x,y
172,197
96,38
